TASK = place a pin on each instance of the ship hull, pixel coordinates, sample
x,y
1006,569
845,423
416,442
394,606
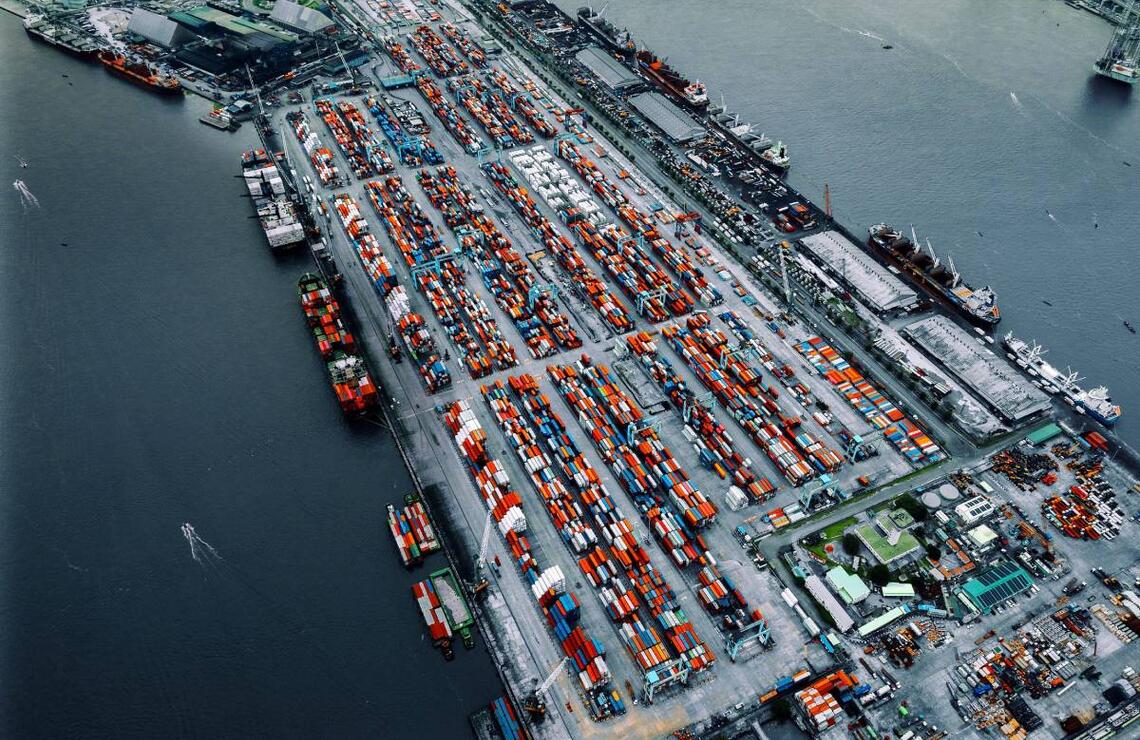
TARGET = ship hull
x,y
1114,75
608,42
87,55
1108,422
931,286
122,74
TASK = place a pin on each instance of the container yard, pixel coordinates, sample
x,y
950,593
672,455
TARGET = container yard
x,y
657,463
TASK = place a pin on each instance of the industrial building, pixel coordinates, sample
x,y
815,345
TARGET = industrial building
x,y
158,29
664,115
995,381
607,69
300,18
849,586
872,282
982,537
993,586
233,41
896,590
883,620
829,603
974,510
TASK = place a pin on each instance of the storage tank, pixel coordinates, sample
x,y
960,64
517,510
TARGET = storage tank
x,y
948,492
931,500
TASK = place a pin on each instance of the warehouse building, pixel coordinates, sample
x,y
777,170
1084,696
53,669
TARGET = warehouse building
x,y
829,603
849,586
657,109
615,76
994,586
300,18
157,29
974,510
896,590
872,282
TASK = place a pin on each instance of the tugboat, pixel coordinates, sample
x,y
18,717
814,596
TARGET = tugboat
x,y
139,72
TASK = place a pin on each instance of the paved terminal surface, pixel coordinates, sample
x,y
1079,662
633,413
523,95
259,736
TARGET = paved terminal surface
x,y
521,640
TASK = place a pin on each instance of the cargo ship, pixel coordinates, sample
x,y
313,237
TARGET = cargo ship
x,y
613,39
60,37
434,617
354,388
405,540
1095,403
459,617
1120,59
978,306
693,94
275,213
777,157
139,72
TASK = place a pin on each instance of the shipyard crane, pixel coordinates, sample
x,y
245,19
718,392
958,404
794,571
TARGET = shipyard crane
x,y
550,679
537,290
481,558
693,400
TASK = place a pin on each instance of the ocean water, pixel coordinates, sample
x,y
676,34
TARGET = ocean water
x,y
984,127
155,369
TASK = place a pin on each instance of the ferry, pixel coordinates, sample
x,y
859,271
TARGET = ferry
x,y
1096,403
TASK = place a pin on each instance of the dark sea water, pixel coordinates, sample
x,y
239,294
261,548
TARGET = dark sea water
x,y
157,370
984,126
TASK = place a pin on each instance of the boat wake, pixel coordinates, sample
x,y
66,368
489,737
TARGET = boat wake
x,y
203,552
1016,103
27,199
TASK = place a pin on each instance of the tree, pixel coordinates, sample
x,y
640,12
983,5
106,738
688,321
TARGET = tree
x,y
782,710
880,575
932,551
851,544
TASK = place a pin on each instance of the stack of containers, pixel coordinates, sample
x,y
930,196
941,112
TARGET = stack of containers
x,y
785,375
401,531
640,224
486,107
410,325
414,150
432,612
640,638
421,527
709,438
463,315
365,154
440,57
447,113
522,103
322,159
819,703
780,450
548,586
466,46
506,720
504,271
401,57
644,467
610,246
568,259
876,408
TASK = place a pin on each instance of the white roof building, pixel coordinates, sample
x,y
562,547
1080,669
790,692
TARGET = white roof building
x,y
974,510
299,17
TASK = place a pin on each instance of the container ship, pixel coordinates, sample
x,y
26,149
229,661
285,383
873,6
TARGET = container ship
x,y
276,214
1120,59
693,94
979,306
354,388
1095,402
139,72
613,39
60,37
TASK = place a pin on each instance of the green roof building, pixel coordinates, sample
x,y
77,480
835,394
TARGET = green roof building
x,y
994,585
849,586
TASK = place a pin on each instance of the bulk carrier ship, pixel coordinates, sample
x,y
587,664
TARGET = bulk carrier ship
x,y
61,37
1096,402
139,72
613,39
978,306
693,94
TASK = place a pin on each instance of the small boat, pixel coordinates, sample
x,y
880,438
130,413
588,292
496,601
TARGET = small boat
x,y
1129,327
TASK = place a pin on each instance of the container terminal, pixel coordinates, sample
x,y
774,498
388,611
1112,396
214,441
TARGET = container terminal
x,y
690,457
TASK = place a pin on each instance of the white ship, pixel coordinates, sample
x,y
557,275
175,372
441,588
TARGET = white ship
x,y
1096,402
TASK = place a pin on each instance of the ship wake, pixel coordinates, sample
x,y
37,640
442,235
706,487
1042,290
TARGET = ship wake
x,y
201,551
27,199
